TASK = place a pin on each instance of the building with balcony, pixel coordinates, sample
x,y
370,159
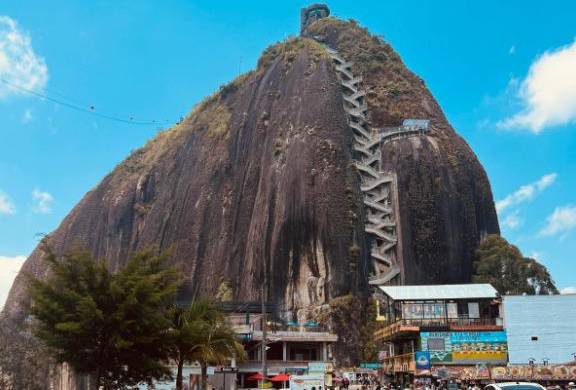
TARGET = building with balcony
x,y
291,348
440,330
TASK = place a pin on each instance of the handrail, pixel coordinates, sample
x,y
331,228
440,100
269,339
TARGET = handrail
x,y
446,321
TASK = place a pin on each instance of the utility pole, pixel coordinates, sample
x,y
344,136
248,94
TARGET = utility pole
x,y
264,327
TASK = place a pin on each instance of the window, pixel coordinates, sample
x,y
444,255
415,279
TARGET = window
x,y
473,310
521,387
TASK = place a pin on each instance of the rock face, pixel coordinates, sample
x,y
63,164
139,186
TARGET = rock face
x,y
444,198
258,181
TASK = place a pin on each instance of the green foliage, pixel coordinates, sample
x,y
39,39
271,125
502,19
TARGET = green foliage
x,y
501,264
200,334
354,320
109,326
225,291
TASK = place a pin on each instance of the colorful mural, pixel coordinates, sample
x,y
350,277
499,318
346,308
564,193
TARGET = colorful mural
x,y
465,347
423,310
458,372
527,372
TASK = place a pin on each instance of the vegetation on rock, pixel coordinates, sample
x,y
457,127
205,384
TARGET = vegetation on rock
x,y
503,266
289,50
353,318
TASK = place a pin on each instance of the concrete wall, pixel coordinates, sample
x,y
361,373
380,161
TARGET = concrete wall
x,y
550,318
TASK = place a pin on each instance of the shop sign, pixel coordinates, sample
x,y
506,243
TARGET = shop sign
x,y
422,360
316,367
461,372
417,311
306,382
373,366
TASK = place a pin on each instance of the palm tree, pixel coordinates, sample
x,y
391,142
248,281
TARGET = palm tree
x,y
200,334
216,344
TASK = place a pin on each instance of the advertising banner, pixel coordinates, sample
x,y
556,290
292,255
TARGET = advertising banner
x,y
465,347
527,372
306,382
423,310
461,372
422,360
316,367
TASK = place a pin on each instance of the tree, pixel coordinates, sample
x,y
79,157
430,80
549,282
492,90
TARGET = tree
x,y
502,265
112,327
200,334
355,332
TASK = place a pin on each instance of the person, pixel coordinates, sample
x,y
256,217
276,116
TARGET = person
x,y
345,382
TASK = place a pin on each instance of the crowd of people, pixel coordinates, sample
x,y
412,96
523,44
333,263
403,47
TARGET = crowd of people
x,y
370,382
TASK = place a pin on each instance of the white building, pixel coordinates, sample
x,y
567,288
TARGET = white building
x,y
541,328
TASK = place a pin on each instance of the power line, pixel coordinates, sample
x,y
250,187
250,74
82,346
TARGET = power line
x,y
89,110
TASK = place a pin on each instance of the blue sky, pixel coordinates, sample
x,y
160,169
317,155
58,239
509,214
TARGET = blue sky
x,y
504,73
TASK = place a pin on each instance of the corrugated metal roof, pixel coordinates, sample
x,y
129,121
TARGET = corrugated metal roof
x,y
442,291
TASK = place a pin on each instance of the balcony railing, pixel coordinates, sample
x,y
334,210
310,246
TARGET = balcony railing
x,y
416,325
399,363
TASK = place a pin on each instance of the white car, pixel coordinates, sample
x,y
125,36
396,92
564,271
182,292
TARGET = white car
x,y
515,386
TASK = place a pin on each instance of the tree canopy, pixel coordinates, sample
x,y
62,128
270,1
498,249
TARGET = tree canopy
x,y
501,264
111,326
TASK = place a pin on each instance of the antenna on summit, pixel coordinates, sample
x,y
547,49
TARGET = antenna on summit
x,y
311,14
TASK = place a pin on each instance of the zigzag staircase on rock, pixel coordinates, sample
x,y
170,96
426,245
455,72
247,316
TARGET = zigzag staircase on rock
x,y
378,188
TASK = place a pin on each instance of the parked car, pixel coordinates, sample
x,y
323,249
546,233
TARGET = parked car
x,y
514,386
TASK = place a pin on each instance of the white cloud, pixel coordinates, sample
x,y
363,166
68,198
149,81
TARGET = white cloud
x,y
6,205
19,65
561,220
568,290
526,192
9,267
548,93
42,202
27,117
512,221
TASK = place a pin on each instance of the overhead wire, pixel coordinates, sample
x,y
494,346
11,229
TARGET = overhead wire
x,y
89,109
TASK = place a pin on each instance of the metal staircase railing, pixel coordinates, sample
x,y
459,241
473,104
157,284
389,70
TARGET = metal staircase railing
x,y
378,188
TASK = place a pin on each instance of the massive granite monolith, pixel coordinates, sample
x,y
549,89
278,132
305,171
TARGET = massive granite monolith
x,y
259,179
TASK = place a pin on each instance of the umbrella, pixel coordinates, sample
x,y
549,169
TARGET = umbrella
x,y
280,378
256,377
